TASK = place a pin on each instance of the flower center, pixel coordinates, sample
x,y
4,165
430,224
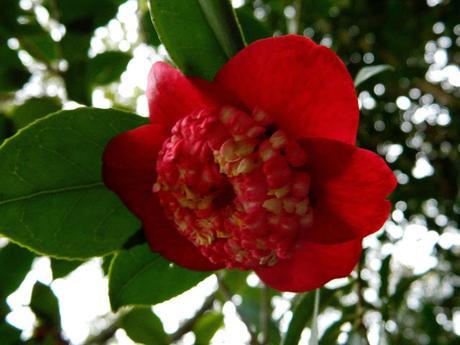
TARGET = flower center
x,y
235,186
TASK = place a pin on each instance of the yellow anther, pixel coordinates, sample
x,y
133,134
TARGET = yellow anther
x,y
289,205
226,115
301,208
260,116
306,220
278,139
228,152
280,192
245,166
273,205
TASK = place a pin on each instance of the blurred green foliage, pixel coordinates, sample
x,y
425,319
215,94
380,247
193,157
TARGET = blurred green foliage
x,y
410,115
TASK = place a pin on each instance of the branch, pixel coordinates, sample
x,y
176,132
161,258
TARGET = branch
x,y
188,324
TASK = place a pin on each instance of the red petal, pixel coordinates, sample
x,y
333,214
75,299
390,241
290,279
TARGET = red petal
x,y
303,85
164,239
129,170
312,266
129,165
349,190
171,95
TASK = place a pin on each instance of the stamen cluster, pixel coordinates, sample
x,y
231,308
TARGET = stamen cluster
x,y
235,186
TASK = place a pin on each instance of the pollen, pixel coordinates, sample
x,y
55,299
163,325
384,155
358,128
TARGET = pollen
x,y
235,186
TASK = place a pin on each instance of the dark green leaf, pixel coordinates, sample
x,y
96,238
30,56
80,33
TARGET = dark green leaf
x,y
252,28
13,74
106,262
40,45
10,335
200,36
85,15
33,109
144,327
252,297
140,277
206,326
107,67
366,73
384,277
150,34
15,262
62,268
331,334
402,287
4,128
51,172
45,305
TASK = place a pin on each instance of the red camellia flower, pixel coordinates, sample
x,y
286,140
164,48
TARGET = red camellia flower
x,y
257,170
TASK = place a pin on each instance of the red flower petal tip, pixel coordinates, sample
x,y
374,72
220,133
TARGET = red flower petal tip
x,y
256,170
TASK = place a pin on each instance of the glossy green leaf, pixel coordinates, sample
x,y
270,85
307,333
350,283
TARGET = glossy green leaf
x,y
51,172
144,327
45,305
33,109
15,263
107,67
366,73
200,35
206,326
140,277
62,268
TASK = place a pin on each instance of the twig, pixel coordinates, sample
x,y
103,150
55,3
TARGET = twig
x,y
188,325
265,313
359,322
103,336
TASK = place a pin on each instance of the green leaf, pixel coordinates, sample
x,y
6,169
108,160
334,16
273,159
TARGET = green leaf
x,y
331,334
252,297
62,268
4,128
10,335
85,14
33,109
150,34
402,287
107,67
206,326
13,74
144,327
366,73
384,277
45,305
200,35
252,28
40,45
140,277
52,197
15,262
